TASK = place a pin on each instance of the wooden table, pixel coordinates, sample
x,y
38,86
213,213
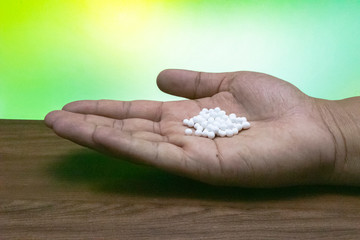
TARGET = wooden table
x,y
51,188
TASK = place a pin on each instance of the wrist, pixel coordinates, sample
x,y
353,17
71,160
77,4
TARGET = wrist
x,y
342,118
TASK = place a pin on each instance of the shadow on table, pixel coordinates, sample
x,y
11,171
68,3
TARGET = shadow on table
x,y
106,174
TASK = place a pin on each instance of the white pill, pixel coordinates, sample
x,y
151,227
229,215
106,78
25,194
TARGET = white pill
x,y
222,113
198,132
211,135
229,124
191,122
204,133
238,126
235,131
196,119
216,129
201,119
232,116
225,118
221,133
223,126
204,124
229,133
218,119
245,125
218,114
214,122
238,120
188,131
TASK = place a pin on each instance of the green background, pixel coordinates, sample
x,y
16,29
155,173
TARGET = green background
x,y
53,52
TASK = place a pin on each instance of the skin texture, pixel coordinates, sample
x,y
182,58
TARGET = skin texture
x,y
342,118
290,141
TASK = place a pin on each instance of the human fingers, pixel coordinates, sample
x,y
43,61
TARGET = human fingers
x,y
142,149
75,130
193,84
84,132
150,110
133,124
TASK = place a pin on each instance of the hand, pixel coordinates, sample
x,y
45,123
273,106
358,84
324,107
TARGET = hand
x,y
288,142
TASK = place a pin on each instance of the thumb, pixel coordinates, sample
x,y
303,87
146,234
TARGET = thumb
x,y
192,84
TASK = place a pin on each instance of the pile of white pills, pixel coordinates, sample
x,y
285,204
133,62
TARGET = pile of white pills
x,y
214,122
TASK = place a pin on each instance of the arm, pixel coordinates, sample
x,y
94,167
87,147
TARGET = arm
x,y
343,120
294,139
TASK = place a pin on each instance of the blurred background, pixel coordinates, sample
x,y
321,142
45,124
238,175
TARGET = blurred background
x,y
54,52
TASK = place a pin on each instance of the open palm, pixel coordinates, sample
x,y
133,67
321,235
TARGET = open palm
x,y
287,144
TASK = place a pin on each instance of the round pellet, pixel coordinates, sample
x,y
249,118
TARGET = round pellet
x,y
238,120
235,131
229,125
223,126
196,119
216,129
209,128
232,116
245,125
217,123
191,122
200,119
211,135
214,122
198,132
222,133
229,133
188,131
204,124
204,133
225,118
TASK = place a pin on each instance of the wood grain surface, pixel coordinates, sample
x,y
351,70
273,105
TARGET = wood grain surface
x,y
51,188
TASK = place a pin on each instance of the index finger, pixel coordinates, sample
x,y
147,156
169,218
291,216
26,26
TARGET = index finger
x,y
193,84
150,110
